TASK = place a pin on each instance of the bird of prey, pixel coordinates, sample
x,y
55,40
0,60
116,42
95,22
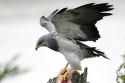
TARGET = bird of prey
x,y
69,28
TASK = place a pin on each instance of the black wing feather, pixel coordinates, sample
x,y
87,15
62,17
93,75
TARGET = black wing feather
x,y
62,11
91,13
86,17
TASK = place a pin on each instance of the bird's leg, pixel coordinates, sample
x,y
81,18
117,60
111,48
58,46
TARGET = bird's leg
x,y
64,74
64,77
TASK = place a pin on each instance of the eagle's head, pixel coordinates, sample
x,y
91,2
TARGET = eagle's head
x,y
47,41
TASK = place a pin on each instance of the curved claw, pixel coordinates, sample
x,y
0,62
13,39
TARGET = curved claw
x,y
64,74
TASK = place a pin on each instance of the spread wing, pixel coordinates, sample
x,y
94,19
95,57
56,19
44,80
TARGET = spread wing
x,y
79,23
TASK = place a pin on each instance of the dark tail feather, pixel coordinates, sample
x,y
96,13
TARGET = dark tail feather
x,y
99,53
92,51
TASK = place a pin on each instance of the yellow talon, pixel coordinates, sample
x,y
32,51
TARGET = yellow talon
x,y
64,74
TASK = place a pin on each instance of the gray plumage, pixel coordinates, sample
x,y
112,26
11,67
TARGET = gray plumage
x,y
73,51
49,41
67,28
78,23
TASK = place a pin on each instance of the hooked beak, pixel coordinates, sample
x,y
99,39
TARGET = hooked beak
x,y
37,47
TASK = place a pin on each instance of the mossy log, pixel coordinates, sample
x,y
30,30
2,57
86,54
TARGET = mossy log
x,y
76,77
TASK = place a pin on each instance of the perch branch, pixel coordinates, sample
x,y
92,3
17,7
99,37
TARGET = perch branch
x,y
76,78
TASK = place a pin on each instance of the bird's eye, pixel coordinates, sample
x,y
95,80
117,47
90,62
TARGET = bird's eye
x,y
39,43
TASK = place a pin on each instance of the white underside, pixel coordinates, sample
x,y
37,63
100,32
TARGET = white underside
x,y
71,51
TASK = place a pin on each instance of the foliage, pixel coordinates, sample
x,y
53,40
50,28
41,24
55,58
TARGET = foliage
x,y
9,69
121,72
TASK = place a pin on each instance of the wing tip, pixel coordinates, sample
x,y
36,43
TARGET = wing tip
x,y
62,10
97,52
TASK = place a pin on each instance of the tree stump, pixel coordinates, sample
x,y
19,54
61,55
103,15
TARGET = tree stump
x,y
76,78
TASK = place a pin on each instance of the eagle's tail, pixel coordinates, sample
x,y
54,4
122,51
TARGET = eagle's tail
x,y
91,51
97,52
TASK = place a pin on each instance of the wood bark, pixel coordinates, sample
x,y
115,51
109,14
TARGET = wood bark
x,y
76,77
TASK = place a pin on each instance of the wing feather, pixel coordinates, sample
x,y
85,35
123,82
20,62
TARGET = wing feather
x,y
79,23
52,14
